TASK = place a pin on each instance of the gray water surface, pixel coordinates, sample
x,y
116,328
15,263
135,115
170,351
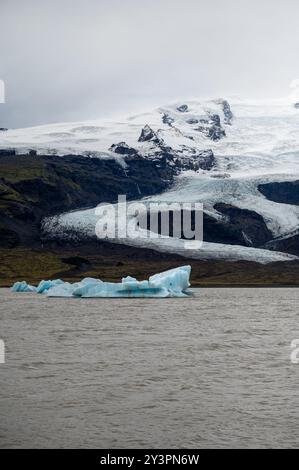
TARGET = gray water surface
x,y
208,371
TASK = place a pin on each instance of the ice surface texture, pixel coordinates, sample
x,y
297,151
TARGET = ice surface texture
x,y
172,283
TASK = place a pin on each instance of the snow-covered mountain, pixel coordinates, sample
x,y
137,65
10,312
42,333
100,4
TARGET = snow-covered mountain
x,y
183,126
241,154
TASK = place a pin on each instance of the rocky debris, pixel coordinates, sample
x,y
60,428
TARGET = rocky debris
x,y
192,121
284,192
183,108
166,119
212,128
123,149
228,115
147,134
205,160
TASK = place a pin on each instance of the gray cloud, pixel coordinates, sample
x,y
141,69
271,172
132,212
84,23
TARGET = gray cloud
x,y
71,60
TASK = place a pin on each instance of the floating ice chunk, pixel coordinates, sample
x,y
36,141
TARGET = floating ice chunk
x,y
176,280
22,287
44,286
62,290
172,283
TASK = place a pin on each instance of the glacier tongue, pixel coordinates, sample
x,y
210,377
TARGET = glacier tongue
x,y
171,283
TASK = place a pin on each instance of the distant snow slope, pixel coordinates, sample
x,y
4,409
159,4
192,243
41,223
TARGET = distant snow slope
x,y
172,126
259,143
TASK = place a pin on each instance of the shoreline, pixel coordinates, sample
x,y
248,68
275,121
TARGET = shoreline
x,y
111,262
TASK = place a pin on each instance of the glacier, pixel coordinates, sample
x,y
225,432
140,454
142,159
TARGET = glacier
x,y
171,283
260,146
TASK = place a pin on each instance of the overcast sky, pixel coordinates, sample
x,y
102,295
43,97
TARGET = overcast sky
x,y
72,60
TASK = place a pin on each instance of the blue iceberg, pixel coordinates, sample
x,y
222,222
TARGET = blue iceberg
x,y
171,283
23,287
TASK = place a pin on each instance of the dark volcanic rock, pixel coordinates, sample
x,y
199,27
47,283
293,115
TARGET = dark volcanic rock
x,y
228,115
288,244
183,108
7,152
249,223
215,131
240,227
33,187
178,161
166,119
147,134
285,192
206,160
212,128
123,149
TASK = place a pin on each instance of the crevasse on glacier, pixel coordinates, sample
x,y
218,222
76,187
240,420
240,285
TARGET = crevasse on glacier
x,y
171,283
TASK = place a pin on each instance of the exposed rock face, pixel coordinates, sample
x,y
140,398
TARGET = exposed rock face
x,y
204,160
147,134
288,244
228,115
7,152
183,108
241,227
178,161
3,129
212,128
192,121
285,192
123,149
33,187
248,223
166,119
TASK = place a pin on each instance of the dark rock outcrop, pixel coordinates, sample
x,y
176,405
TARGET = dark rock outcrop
x,y
33,187
212,128
284,192
183,108
166,119
248,223
228,115
204,160
288,244
147,134
7,152
3,129
123,149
